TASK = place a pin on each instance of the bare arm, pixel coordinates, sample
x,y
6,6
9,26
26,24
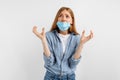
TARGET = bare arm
x,y
83,40
43,39
45,48
78,52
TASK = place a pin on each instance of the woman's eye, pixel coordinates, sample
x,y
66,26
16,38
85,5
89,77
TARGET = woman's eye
x,y
60,15
67,16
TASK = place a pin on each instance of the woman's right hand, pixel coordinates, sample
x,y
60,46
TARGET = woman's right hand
x,y
38,34
43,38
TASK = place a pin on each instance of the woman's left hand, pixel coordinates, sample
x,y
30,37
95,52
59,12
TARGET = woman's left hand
x,y
84,38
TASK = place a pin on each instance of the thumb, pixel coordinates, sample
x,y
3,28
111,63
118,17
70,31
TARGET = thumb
x,y
43,30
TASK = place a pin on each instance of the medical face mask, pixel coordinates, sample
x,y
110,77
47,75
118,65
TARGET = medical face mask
x,y
63,25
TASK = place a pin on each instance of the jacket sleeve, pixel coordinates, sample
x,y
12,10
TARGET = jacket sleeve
x,y
49,60
74,62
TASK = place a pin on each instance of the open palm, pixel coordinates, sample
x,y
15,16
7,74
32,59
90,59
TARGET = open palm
x,y
84,38
38,34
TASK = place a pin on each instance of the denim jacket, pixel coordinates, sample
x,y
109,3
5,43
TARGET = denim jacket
x,y
59,63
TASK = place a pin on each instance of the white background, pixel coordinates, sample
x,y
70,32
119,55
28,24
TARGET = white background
x,y
21,52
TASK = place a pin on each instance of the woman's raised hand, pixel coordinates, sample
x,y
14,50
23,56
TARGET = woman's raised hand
x,y
38,34
84,38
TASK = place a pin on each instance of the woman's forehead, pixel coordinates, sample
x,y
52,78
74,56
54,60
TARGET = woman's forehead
x,y
65,12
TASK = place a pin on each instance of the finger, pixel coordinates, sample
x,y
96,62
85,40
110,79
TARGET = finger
x,y
91,33
83,32
34,28
43,29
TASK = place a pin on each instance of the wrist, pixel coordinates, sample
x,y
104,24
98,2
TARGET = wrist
x,y
80,46
43,39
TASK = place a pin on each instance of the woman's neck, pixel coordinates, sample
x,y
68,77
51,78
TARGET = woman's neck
x,y
64,32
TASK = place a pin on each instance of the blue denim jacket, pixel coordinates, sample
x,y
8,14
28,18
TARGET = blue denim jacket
x,y
59,63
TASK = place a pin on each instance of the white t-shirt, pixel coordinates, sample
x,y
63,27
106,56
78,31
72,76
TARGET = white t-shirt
x,y
64,40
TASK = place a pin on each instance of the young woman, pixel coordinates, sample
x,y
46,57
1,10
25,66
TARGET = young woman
x,y
62,46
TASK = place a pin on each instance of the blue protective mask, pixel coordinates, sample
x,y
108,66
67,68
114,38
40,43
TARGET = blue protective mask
x,y
63,25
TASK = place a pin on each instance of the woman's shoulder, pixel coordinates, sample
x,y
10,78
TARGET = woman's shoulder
x,y
50,33
75,35
76,38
